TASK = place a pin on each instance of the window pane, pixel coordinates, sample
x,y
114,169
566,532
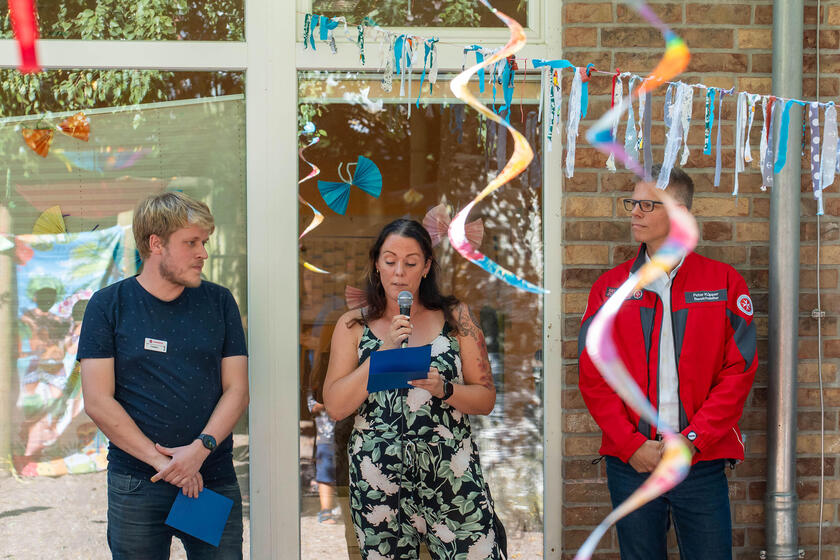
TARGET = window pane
x,y
189,20
195,146
442,153
424,13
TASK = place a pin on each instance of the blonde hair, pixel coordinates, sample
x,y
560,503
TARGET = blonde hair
x,y
165,213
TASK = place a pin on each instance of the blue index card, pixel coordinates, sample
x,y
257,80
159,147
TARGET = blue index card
x,y
393,369
203,517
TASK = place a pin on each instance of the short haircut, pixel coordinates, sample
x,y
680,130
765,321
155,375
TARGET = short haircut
x,y
165,213
680,185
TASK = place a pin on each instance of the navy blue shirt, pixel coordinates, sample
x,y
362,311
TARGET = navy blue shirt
x,y
167,364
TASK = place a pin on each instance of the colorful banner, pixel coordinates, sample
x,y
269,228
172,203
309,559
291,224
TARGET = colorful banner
x,y
56,276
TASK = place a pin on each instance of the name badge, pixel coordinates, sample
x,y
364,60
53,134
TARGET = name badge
x,y
155,345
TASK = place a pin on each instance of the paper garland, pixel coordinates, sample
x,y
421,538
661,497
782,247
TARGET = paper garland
x,y
522,156
366,176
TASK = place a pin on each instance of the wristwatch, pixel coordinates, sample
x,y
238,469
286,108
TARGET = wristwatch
x,y
208,441
448,389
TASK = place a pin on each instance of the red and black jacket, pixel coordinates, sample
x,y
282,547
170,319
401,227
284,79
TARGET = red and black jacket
x,y
715,346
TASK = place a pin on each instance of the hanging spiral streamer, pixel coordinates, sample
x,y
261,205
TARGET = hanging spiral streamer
x,y
522,156
317,218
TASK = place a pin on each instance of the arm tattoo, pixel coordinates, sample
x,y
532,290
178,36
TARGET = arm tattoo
x,y
468,325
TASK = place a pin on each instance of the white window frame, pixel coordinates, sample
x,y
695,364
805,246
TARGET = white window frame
x,y
272,32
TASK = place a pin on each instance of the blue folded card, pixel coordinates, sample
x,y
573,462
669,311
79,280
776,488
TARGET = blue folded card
x,y
393,369
203,517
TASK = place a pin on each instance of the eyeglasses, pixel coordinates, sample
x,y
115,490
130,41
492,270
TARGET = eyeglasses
x,y
645,205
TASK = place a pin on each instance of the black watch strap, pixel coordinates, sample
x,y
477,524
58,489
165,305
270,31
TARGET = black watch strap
x,y
208,441
448,389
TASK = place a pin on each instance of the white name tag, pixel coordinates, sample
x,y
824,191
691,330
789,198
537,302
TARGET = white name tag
x,y
155,345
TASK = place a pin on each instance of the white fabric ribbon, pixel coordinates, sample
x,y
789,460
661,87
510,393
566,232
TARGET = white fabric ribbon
x,y
573,124
828,159
617,95
740,125
687,106
752,100
674,135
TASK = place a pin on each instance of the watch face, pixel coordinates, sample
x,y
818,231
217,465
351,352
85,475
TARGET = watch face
x,y
208,441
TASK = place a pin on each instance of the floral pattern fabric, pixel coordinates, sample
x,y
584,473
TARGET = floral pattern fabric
x,y
415,471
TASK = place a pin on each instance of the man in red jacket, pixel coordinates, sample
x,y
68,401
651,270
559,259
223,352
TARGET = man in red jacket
x,y
688,340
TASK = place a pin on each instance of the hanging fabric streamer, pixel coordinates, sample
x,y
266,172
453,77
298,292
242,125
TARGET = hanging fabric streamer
x,y
640,141
508,77
479,58
767,160
814,125
781,157
762,144
673,137
709,121
828,159
387,48
617,94
687,108
573,123
752,100
740,125
522,156
584,92
430,50
723,93
631,137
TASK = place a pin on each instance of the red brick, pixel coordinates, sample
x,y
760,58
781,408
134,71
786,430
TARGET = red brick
x,y
588,13
639,62
635,36
761,63
717,231
580,37
763,15
755,38
727,14
589,206
708,38
601,230
828,39
588,493
719,62
668,13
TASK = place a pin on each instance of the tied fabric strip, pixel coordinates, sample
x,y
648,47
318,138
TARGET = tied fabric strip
x,y
769,144
672,142
723,93
647,145
740,124
522,156
631,137
828,160
317,217
781,158
752,99
814,123
601,347
555,91
688,102
573,124
709,121
617,94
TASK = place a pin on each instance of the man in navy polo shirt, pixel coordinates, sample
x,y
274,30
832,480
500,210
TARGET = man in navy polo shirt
x,y
165,377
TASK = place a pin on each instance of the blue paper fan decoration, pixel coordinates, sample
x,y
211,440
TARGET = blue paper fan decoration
x,y
366,176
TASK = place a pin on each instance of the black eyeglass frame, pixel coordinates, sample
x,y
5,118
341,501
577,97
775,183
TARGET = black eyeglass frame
x,y
630,204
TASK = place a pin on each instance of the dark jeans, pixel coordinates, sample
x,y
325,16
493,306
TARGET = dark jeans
x,y
137,510
699,507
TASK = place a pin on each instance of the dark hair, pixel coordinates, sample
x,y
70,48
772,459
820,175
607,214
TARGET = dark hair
x,y
680,184
429,293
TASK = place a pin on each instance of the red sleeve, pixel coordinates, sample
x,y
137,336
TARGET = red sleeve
x,y
723,407
605,406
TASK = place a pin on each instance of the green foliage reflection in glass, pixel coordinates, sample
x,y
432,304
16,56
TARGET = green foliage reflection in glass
x,y
196,20
425,13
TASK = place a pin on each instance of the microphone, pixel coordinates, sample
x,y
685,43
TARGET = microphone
x,y
404,299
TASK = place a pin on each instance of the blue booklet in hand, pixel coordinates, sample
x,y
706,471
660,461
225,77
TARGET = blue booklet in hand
x,y
203,517
393,369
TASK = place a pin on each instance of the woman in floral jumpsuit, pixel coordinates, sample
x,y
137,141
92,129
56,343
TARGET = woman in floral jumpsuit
x,y
414,467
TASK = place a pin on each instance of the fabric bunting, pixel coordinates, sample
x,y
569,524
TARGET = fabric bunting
x,y
688,106
740,125
709,121
781,158
814,126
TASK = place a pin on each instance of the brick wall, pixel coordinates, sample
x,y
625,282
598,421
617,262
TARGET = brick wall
x,y
731,46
